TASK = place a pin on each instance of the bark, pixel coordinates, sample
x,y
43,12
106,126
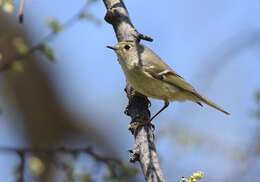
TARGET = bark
x,y
138,107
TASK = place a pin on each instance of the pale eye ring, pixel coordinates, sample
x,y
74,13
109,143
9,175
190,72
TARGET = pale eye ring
x,y
127,47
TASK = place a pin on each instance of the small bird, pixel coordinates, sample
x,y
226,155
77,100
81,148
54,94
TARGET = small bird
x,y
149,75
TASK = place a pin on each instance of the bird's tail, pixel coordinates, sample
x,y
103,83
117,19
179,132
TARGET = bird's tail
x,y
210,103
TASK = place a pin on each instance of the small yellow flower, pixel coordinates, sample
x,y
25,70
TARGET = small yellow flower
x,y
198,175
194,178
36,166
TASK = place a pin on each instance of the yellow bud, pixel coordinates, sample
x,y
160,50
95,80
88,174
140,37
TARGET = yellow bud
x,y
36,166
8,7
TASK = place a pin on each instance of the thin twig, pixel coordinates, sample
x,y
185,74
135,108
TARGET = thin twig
x,y
6,63
51,151
21,11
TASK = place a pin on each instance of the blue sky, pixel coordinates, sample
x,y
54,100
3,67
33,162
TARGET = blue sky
x,y
190,36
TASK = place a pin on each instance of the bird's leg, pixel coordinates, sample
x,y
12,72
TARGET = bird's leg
x,y
166,104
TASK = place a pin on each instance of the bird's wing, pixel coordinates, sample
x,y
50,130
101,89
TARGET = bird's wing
x,y
154,66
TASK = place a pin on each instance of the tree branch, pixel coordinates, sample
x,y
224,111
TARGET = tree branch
x,y
138,107
115,166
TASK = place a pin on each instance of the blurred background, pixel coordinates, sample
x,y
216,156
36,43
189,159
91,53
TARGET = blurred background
x,y
68,90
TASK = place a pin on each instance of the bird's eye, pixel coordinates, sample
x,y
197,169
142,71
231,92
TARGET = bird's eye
x,y
127,47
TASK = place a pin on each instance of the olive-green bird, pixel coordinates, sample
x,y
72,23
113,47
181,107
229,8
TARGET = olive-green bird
x,y
151,76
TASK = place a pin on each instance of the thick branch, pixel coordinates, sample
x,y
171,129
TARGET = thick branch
x,y
144,150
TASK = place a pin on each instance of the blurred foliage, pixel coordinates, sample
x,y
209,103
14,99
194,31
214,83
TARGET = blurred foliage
x,y
68,167
20,45
21,48
71,176
17,66
114,170
24,51
7,5
86,178
54,25
118,173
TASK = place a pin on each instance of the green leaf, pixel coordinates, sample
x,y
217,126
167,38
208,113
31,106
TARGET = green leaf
x,y
20,45
17,66
54,25
48,52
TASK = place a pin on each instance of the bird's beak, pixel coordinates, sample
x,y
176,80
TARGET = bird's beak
x,y
111,47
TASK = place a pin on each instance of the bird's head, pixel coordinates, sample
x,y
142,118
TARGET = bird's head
x,y
126,50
